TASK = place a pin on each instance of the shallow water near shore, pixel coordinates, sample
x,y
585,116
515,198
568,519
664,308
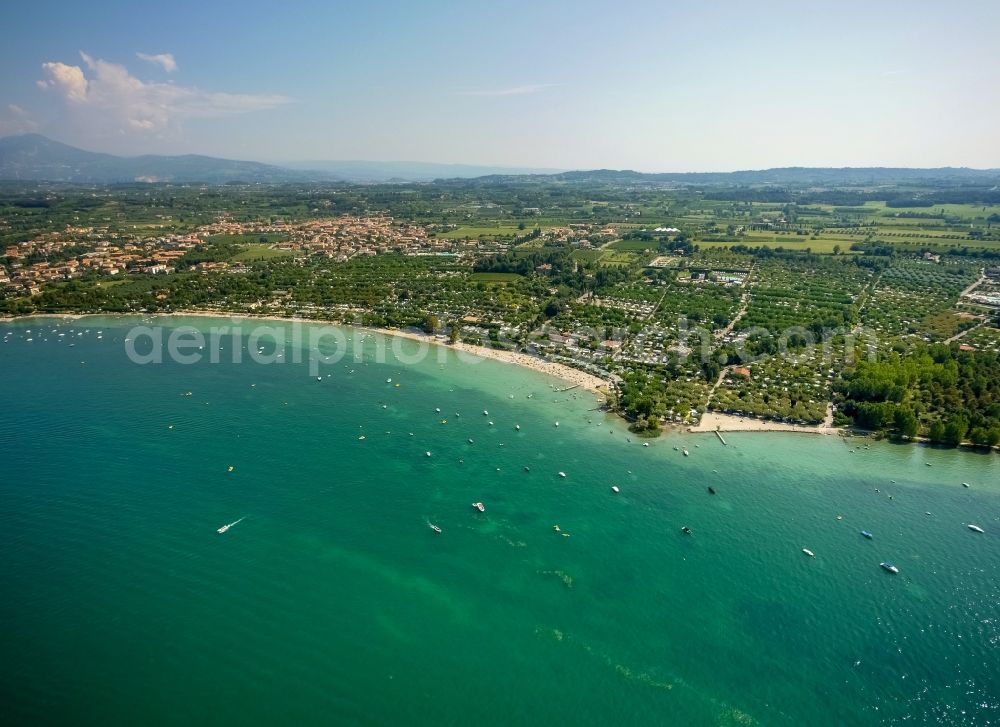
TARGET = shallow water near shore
x,y
333,601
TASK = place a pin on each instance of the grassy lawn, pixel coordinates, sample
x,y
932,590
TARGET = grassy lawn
x,y
634,245
587,255
488,230
109,283
619,259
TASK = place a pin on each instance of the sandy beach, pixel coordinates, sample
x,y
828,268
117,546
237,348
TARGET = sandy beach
x,y
716,422
574,377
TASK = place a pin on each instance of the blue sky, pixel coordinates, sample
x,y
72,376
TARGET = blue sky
x,y
654,86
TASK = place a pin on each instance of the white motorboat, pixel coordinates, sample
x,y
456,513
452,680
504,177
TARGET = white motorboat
x,y
224,528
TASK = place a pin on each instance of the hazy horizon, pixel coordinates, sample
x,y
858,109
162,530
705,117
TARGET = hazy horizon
x,y
688,88
303,164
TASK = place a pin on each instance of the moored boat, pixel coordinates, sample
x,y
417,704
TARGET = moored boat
x,y
889,567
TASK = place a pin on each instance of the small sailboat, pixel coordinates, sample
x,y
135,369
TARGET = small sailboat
x,y
427,453
562,474
557,424
645,444
479,506
224,528
809,552
485,413
889,567
867,534
965,484
686,453
976,529
517,427
614,488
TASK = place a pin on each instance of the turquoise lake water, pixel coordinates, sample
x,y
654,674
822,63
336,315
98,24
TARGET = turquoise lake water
x,y
334,602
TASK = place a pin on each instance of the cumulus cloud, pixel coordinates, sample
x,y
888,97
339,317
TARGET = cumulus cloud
x,y
112,93
69,80
163,60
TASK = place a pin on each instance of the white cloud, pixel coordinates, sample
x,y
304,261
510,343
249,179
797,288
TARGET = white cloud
x,y
163,60
69,80
112,93
512,91
15,120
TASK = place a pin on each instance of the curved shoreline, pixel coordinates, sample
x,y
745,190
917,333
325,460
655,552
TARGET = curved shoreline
x,y
572,376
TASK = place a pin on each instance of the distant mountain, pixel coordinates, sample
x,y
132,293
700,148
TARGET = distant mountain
x,y
366,171
791,176
32,157
37,158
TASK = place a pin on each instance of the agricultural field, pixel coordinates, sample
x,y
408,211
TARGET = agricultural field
x,y
915,301
810,295
482,231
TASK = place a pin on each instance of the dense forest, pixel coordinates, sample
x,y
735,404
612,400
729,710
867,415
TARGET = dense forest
x,y
939,391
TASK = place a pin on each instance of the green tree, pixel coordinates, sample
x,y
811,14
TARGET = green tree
x,y
936,432
993,437
955,430
906,422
